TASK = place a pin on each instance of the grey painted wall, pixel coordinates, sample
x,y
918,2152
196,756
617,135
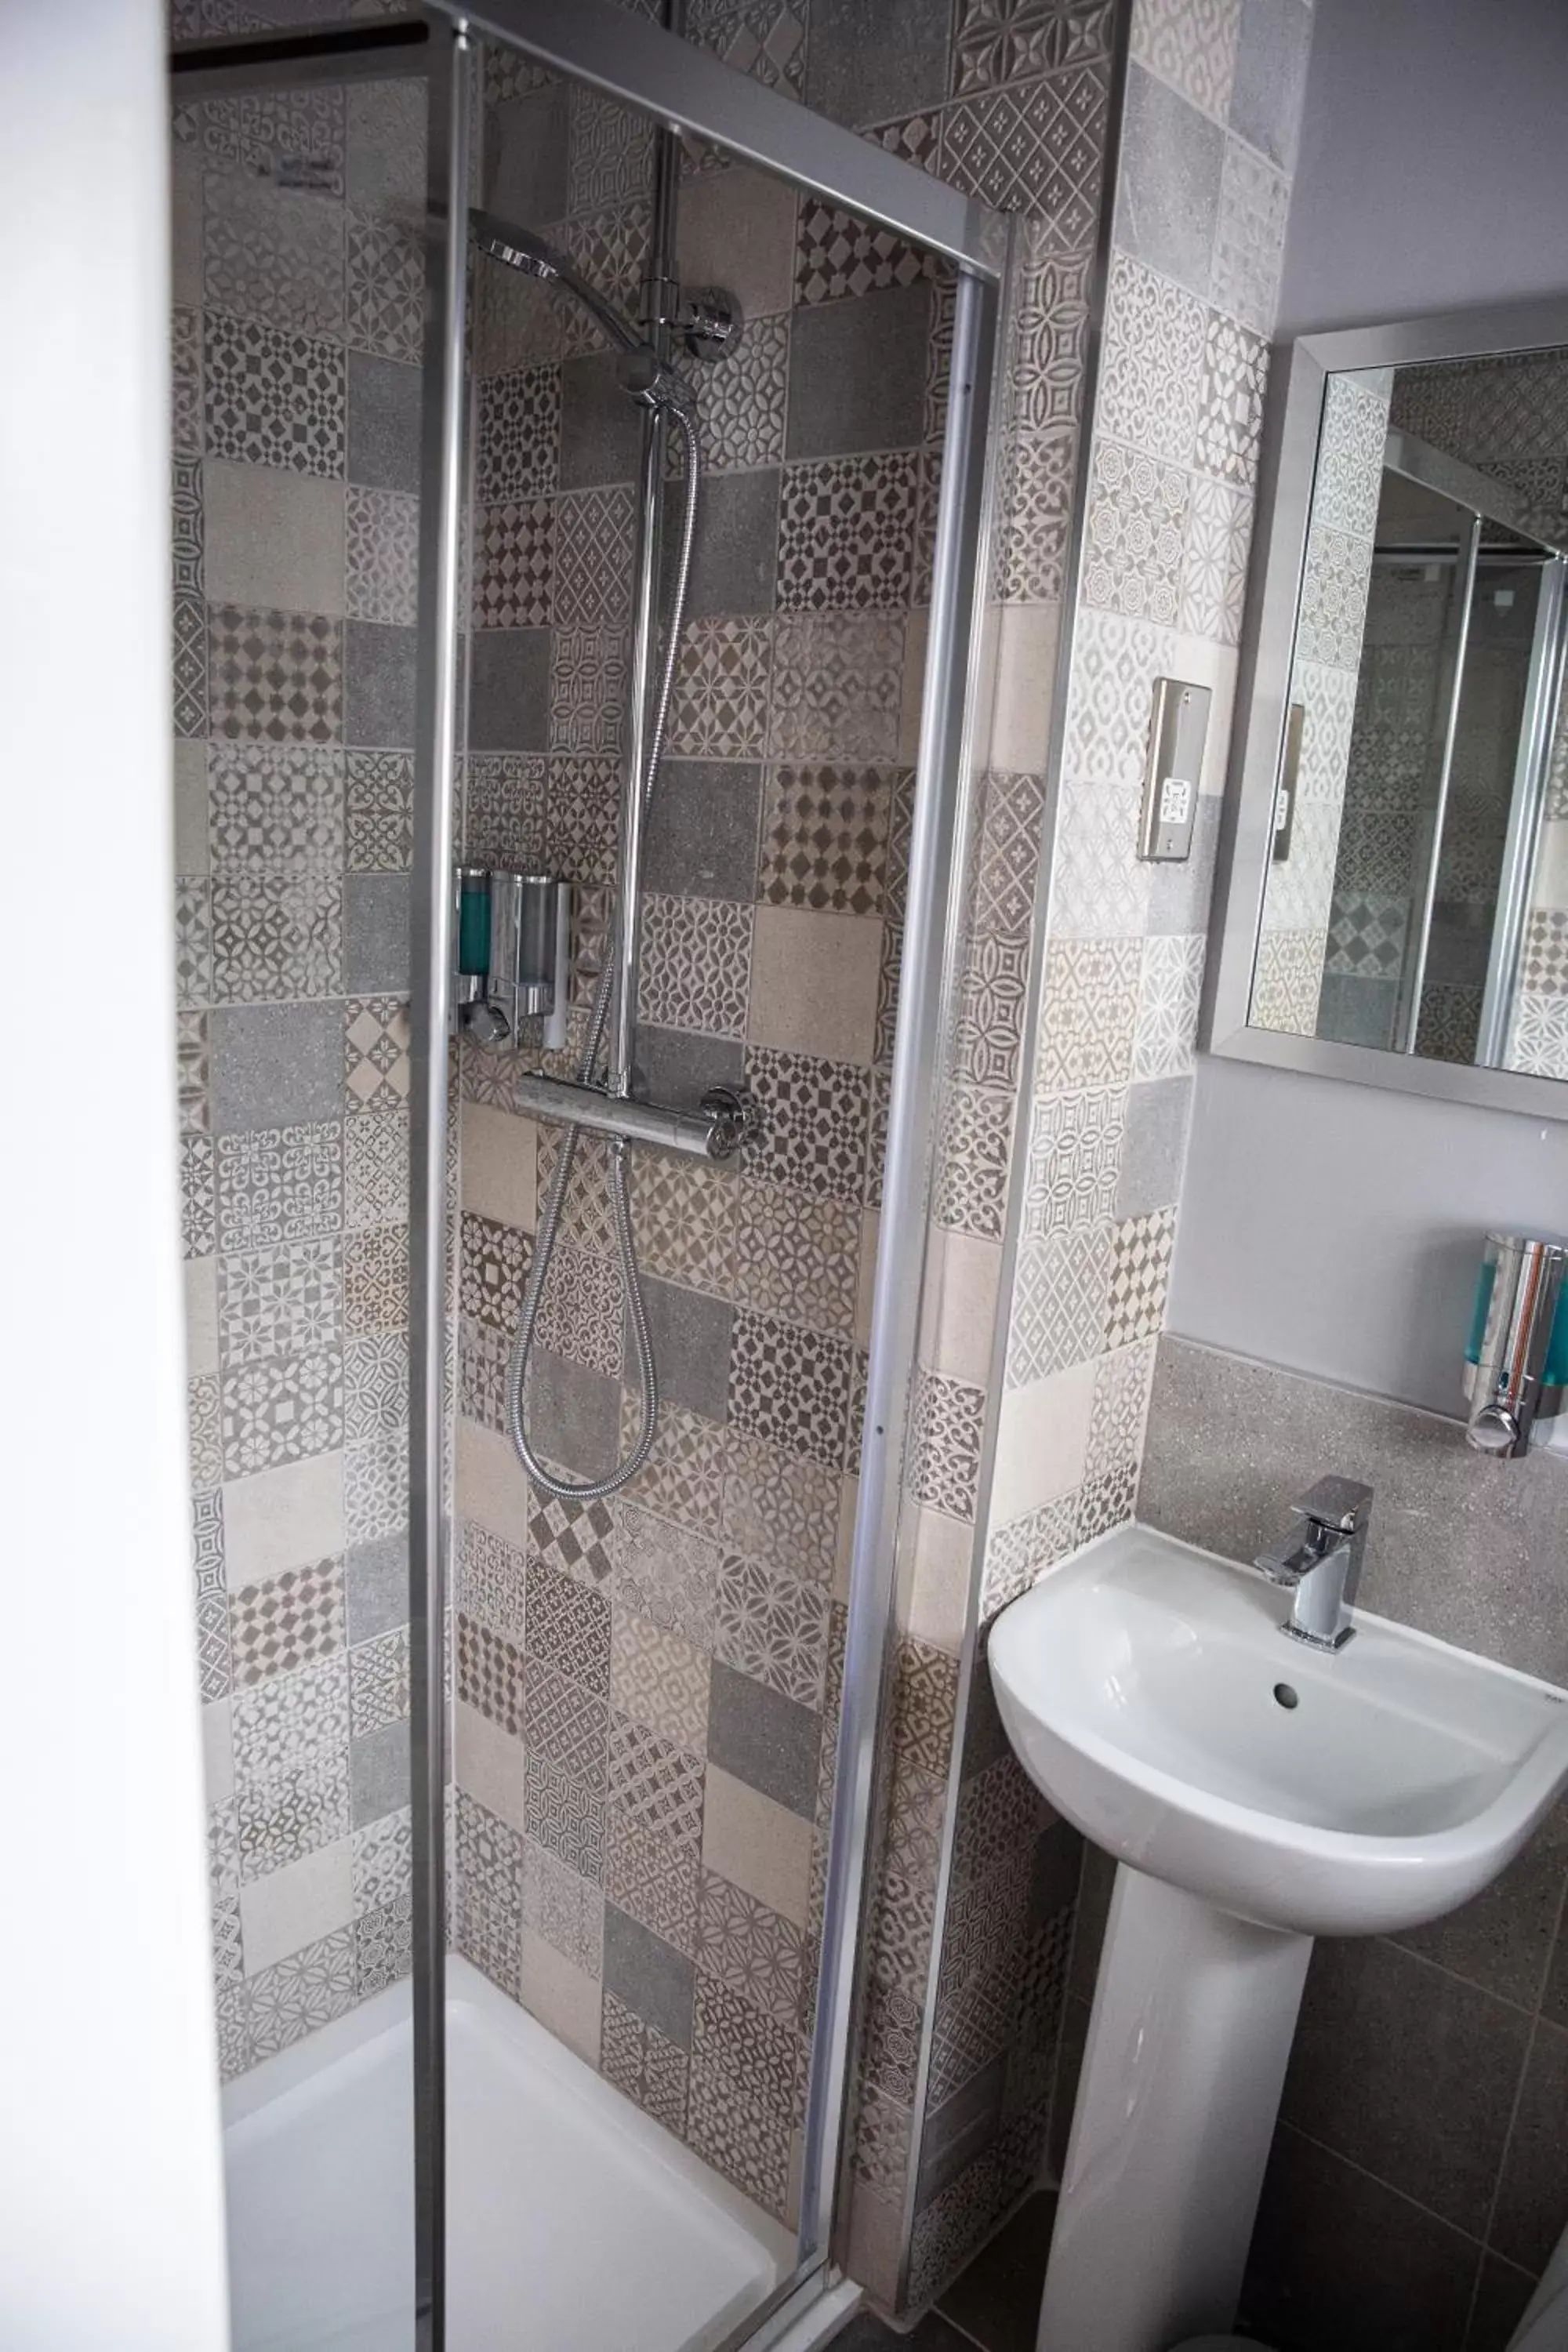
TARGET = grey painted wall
x,y
1335,1229
1430,172
1327,1227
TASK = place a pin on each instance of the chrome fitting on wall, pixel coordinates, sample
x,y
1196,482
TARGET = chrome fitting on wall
x,y
514,949
1516,1362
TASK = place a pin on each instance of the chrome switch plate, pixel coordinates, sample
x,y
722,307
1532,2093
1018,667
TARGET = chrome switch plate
x,y
1177,732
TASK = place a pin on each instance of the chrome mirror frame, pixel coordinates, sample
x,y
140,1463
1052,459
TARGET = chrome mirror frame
x,y
1299,375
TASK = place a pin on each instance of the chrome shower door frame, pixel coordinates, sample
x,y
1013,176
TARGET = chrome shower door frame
x,y
691,94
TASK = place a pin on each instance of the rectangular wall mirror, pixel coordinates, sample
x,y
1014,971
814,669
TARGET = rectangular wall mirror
x,y
1395,908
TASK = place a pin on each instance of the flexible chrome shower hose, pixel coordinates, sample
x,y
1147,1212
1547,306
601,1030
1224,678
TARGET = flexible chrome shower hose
x,y
594,1490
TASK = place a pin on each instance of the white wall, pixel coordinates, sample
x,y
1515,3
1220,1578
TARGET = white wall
x,y
110,2191
1327,1227
1430,175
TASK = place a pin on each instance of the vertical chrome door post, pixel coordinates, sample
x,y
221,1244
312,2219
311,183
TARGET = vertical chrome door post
x,y
451,133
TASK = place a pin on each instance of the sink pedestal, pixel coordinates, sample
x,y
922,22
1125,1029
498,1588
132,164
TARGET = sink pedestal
x,y
1193,2020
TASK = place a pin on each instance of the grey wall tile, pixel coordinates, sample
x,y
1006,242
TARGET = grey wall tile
x,y
959,2129
858,70
736,561
379,1779
601,425
1155,1141
508,689
1180,895
692,1336
1231,1444
1271,75
765,1740
375,1586
702,831
1532,2196
275,1065
375,934
650,1976
526,139
1554,1997
574,1414
856,373
383,423
679,1066
1357,1011
1340,2261
1168,197
1503,1940
378,685
1407,2073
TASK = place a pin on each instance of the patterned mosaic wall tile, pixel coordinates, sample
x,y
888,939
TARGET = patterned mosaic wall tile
x,y
1296,949
960,2055
644,1689
294,519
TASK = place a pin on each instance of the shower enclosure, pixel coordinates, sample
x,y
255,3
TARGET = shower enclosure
x,y
581,480
1448,780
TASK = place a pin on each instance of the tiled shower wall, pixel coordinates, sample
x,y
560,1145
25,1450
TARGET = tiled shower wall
x,y
1509,418
1056,1211
643,1749
1293,948
298,287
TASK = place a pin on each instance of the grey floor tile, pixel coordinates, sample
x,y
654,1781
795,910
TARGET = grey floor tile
x,y
1408,2073
702,833
996,2301
275,1065
866,2333
1502,2294
1503,1940
375,934
383,423
770,1742
1339,2264
856,373
1532,2197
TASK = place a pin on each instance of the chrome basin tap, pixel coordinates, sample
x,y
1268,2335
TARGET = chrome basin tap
x,y
1322,1564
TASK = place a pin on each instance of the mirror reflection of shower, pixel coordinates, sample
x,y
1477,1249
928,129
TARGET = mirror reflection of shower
x,y
514,953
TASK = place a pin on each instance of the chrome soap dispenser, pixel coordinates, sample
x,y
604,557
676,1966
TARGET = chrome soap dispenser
x,y
1516,1363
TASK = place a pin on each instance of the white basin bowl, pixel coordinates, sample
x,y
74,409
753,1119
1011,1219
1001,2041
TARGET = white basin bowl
x,y
1138,1683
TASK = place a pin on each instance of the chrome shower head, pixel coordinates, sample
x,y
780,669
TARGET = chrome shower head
x,y
518,248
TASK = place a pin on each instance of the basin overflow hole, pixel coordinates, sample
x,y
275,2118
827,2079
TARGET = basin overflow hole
x,y
1286,1696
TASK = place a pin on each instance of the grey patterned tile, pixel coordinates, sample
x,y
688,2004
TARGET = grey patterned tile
x,y
837,685
382,555
384,295
273,398
1152,379
697,963
279,1184
813,1121
1038,149
845,532
789,1387
276,676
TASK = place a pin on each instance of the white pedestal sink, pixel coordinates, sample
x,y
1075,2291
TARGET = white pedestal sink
x,y
1255,1793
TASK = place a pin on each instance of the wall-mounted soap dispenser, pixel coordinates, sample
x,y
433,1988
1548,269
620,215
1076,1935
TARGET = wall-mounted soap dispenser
x,y
1516,1357
512,937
